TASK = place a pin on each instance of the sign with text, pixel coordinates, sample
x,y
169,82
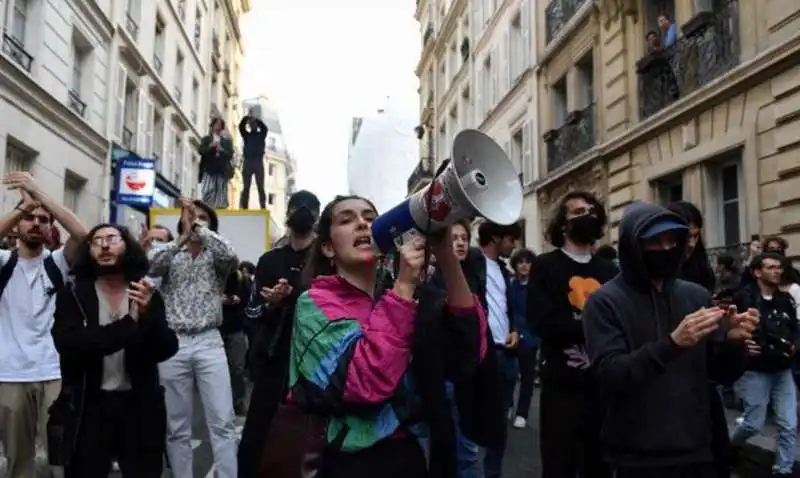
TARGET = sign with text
x,y
136,180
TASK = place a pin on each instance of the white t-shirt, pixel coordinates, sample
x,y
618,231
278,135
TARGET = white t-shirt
x,y
794,291
496,300
27,352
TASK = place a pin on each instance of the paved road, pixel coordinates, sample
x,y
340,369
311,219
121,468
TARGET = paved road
x,y
521,461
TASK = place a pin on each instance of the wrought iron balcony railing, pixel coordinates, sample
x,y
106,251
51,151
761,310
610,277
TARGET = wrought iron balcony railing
x,y
158,65
16,50
577,135
558,13
740,252
422,172
75,103
127,138
693,61
132,27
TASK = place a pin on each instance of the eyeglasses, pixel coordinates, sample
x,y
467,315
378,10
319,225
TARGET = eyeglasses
x,y
40,218
110,240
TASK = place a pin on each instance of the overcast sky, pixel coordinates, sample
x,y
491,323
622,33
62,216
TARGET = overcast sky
x,y
323,62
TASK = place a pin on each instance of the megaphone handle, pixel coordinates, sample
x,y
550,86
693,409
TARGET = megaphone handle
x,y
428,207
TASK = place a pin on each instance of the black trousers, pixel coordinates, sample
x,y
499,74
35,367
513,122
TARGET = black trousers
x,y
253,167
389,458
527,373
569,436
700,470
109,431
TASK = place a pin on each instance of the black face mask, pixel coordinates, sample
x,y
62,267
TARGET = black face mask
x,y
585,230
663,263
301,221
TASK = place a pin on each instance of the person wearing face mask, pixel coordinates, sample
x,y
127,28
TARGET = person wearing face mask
x,y
557,291
655,342
270,312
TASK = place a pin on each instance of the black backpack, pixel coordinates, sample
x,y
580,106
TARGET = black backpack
x,y
50,268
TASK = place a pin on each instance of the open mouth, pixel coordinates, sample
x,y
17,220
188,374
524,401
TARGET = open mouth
x,y
363,242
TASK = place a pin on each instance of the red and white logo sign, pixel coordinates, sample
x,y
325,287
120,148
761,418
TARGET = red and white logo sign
x,y
137,182
440,208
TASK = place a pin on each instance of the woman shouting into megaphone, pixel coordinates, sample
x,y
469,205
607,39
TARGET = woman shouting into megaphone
x,y
368,370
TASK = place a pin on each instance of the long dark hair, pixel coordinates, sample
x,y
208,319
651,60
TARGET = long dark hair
x,y
558,220
318,264
696,268
134,261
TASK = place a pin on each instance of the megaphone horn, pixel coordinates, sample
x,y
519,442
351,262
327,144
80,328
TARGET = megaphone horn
x,y
479,181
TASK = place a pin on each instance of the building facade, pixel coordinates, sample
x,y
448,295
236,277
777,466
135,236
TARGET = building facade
x,y
711,119
477,70
94,80
54,96
384,151
279,167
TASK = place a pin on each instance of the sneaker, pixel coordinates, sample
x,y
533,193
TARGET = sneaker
x,y
520,422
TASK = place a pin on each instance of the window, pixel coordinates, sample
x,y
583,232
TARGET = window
x,y
486,92
198,28
195,100
179,78
559,90
182,10
731,205
517,148
669,190
516,63
18,158
271,170
73,186
158,44
81,51
270,199
20,21
585,70
272,143
119,98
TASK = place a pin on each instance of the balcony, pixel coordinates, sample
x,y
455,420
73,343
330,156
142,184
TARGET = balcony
x,y
422,173
16,50
740,253
576,136
127,138
558,13
709,50
75,103
158,65
132,27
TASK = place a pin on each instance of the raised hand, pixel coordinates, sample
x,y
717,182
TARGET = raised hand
x,y
140,294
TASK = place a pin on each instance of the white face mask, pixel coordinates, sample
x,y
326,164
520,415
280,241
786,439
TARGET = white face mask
x,y
157,245
202,223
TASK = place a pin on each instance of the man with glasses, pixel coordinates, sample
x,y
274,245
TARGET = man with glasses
x,y
30,375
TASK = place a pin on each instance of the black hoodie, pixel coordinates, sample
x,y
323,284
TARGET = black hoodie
x,y
656,394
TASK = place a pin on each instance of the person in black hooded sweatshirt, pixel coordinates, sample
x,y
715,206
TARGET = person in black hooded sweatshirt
x,y
697,269
655,342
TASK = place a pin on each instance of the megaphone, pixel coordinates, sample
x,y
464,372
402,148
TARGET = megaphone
x,y
479,181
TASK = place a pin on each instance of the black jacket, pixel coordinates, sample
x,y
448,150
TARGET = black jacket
x,y
656,394
82,347
778,322
253,139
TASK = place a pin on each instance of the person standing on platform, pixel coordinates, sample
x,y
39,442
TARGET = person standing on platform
x,y
254,134
216,153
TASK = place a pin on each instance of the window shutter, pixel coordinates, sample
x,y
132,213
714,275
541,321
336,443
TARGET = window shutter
x,y
526,34
119,97
149,117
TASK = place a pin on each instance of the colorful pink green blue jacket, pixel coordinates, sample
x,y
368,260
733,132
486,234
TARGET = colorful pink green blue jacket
x,y
350,360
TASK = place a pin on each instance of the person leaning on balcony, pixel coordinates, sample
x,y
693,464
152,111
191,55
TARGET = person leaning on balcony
x,y
216,152
653,41
669,32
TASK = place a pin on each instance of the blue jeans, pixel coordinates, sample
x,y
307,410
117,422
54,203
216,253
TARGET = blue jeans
x,y
467,463
757,390
508,368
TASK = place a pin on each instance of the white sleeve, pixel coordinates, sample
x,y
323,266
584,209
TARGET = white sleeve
x,y
61,261
5,255
794,291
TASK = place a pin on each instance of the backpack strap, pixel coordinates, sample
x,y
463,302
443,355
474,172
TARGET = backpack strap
x,y
8,270
54,274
